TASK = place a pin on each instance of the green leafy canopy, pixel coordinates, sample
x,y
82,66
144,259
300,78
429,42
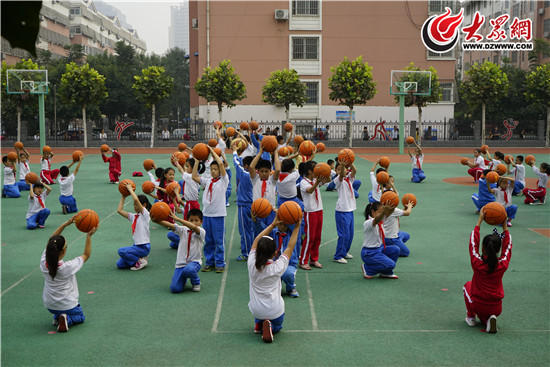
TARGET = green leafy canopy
x,y
351,83
284,87
82,85
153,85
538,85
484,83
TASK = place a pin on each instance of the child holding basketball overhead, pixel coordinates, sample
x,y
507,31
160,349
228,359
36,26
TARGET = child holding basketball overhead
x,y
167,177
68,202
115,167
483,195
47,175
484,293
477,168
503,196
417,160
266,304
519,174
263,185
537,196
222,144
189,188
393,236
345,206
135,256
376,192
38,213
492,163
24,168
10,188
60,294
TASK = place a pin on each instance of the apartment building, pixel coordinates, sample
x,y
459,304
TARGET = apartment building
x,y
178,32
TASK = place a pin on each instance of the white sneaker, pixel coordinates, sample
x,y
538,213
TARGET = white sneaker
x,y
140,264
341,261
196,288
349,256
63,323
471,321
492,325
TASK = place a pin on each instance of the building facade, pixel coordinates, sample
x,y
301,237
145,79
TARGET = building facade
x,y
178,32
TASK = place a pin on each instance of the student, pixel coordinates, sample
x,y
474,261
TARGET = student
x,y
47,175
484,293
38,213
159,171
10,188
189,188
214,211
189,257
167,177
24,168
135,256
477,168
250,150
376,192
223,141
537,196
263,185
345,206
393,236
266,304
331,186
417,160
483,195
377,255
60,293
68,202
503,196
286,176
519,174
115,167
494,162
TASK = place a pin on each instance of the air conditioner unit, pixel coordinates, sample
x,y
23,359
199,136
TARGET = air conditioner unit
x,y
71,16
194,23
281,14
71,36
541,11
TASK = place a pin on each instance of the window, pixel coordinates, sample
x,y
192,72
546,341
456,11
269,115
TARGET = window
x,y
514,57
546,28
446,92
546,3
495,59
312,92
305,7
74,11
532,5
445,55
438,6
75,30
515,11
305,48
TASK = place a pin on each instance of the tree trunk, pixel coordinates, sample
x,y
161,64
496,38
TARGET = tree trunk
x,y
85,128
287,114
547,126
483,106
419,126
153,126
18,123
220,112
349,131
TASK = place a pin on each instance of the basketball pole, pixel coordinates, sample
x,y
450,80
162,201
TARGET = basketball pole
x,y
42,122
401,123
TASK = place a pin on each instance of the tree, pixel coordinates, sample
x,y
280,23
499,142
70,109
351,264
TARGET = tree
x,y
221,85
538,90
351,84
82,86
75,53
541,49
153,86
177,67
485,83
284,87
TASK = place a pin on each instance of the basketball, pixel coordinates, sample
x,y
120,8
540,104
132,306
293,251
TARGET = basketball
x,y
86,220
212,143
46,149
31,177
201,151
18,145
283,151
148,164
384,162
501,169
290,149
484,149
410,140
230,131
12,156
529,159
174,158
172,188
254,125
104,148
218,124
320,147
322,170
185,154
508,159
218,151
239,145
122,186
244,125
261,207
382,177
492,177
298,139
464,161
409,197
288,127
389,197
269,143
346,155
289,212
160,210
494,213
76,155
182,147
307,148
148,187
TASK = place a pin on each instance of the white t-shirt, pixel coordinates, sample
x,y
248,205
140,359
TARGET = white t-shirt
x,y
312,202
519,173
372,238
265,287
213,200
501,198
249,151
45,164
287,187
34,204
391,223
66,184
24,169
270,193
346,195
190,187
9,176
543,177
141,235
207,163
415,163
154,179
494,163
165,134
61,293
221,145
189,252
480,162
376,188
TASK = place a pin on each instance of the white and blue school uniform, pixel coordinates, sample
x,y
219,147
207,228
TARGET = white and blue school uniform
x,y
483,197
37,213
60,294
190,194
24,169
189,258
214,212
493,163
504,197
519,178
417,173
345,206
331,186
223,146
66,190
393,235
11,189
141,237
376,192
250,150
156,181
244,204
377,256
264,189
288,191
207,163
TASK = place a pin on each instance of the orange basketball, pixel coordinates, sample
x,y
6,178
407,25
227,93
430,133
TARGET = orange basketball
x,y
261,207
182,158
218,124
76,155
254,125
148,187
269,143
289,212
320,147
508,159
230,131
382,177
172,188
494,213
501,169
31,177
18,145
484,149
175,158
346,155
529,159
239,145
212,143
384,162
390,197
122,186
104,148
185,154
410,140
12,156
201,151
290,149
148,164
298,139
492,177
283,151
464,161
409,197
288,126
322,170
86,220
218,151
244,125
307,148
182,147
46,149
160,210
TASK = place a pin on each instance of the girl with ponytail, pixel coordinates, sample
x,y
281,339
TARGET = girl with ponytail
x,y
484,293
60,294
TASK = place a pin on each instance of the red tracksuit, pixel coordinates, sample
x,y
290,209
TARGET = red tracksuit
x,y
484,293
114,165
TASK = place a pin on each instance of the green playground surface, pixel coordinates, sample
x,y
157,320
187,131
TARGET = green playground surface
x,y
340,319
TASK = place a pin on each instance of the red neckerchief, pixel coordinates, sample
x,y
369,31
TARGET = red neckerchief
x,y
316,193
505,196
350,188
40,201
381,229
188,244
264,187
281,236
210,187
282,176
418,162
134,223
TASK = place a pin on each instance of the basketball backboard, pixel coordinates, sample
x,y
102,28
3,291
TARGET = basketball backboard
x,y
406,82
26,81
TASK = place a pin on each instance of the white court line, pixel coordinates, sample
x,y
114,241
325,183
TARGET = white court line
x,y
311,305
336,239
382,331
38,268
224,281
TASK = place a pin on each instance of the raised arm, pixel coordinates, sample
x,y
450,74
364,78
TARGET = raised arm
x,y
170,226
188,224
342,169
134,197
267,230
63,225
375,164
388,208
219,160
408,209
252,167
409,150
353,170
277,164
194,174
292,242
418,146
120,210
48,188
88,246
78,165
489,187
